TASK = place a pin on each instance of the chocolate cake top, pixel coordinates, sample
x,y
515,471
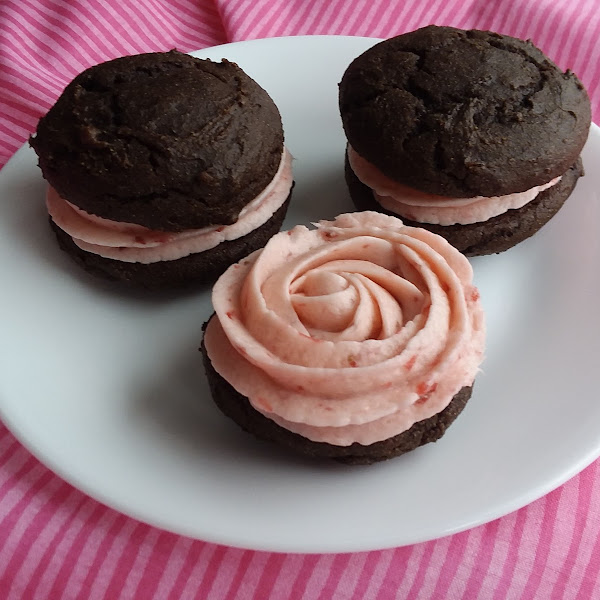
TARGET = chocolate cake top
x,y
463,113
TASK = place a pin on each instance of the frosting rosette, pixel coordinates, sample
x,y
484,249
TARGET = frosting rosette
x,y
350,332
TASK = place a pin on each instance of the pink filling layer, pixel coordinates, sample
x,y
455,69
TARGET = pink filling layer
x,y
429,208
129,242
351,332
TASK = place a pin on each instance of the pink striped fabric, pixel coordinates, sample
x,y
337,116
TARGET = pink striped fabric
x,y
57,543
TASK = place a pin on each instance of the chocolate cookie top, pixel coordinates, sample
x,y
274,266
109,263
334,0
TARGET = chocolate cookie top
x,y
164,140
463,113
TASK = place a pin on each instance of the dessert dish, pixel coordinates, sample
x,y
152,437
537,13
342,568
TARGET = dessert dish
x,y
358,340
163,168
473,135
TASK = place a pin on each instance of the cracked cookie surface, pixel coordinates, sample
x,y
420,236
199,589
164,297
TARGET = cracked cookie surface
x,y
163,140
463,113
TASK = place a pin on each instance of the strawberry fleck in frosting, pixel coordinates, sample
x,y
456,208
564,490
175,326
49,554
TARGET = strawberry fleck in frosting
x,y
429,208
351,332
132,243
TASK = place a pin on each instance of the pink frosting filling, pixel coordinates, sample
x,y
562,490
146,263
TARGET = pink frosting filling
x,y
129,242
351,332
429,208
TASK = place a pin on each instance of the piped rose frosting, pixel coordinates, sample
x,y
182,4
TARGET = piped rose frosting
x,y
129,242
351,332
429,208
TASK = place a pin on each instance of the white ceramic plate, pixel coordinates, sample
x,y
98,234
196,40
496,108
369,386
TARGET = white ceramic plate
x,y
108,388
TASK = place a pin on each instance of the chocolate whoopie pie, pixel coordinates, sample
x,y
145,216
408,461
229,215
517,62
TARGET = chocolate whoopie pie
x,y
163,168
474,135
357,341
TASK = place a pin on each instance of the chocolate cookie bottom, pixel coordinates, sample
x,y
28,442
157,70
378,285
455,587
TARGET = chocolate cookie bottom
x,y
494,235
199,268
238,408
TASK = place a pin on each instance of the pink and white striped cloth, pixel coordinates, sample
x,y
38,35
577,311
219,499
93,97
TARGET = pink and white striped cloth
x,y
55,542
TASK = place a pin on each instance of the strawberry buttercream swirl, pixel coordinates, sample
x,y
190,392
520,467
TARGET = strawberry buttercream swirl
x,y
129,242
440,210
351,332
